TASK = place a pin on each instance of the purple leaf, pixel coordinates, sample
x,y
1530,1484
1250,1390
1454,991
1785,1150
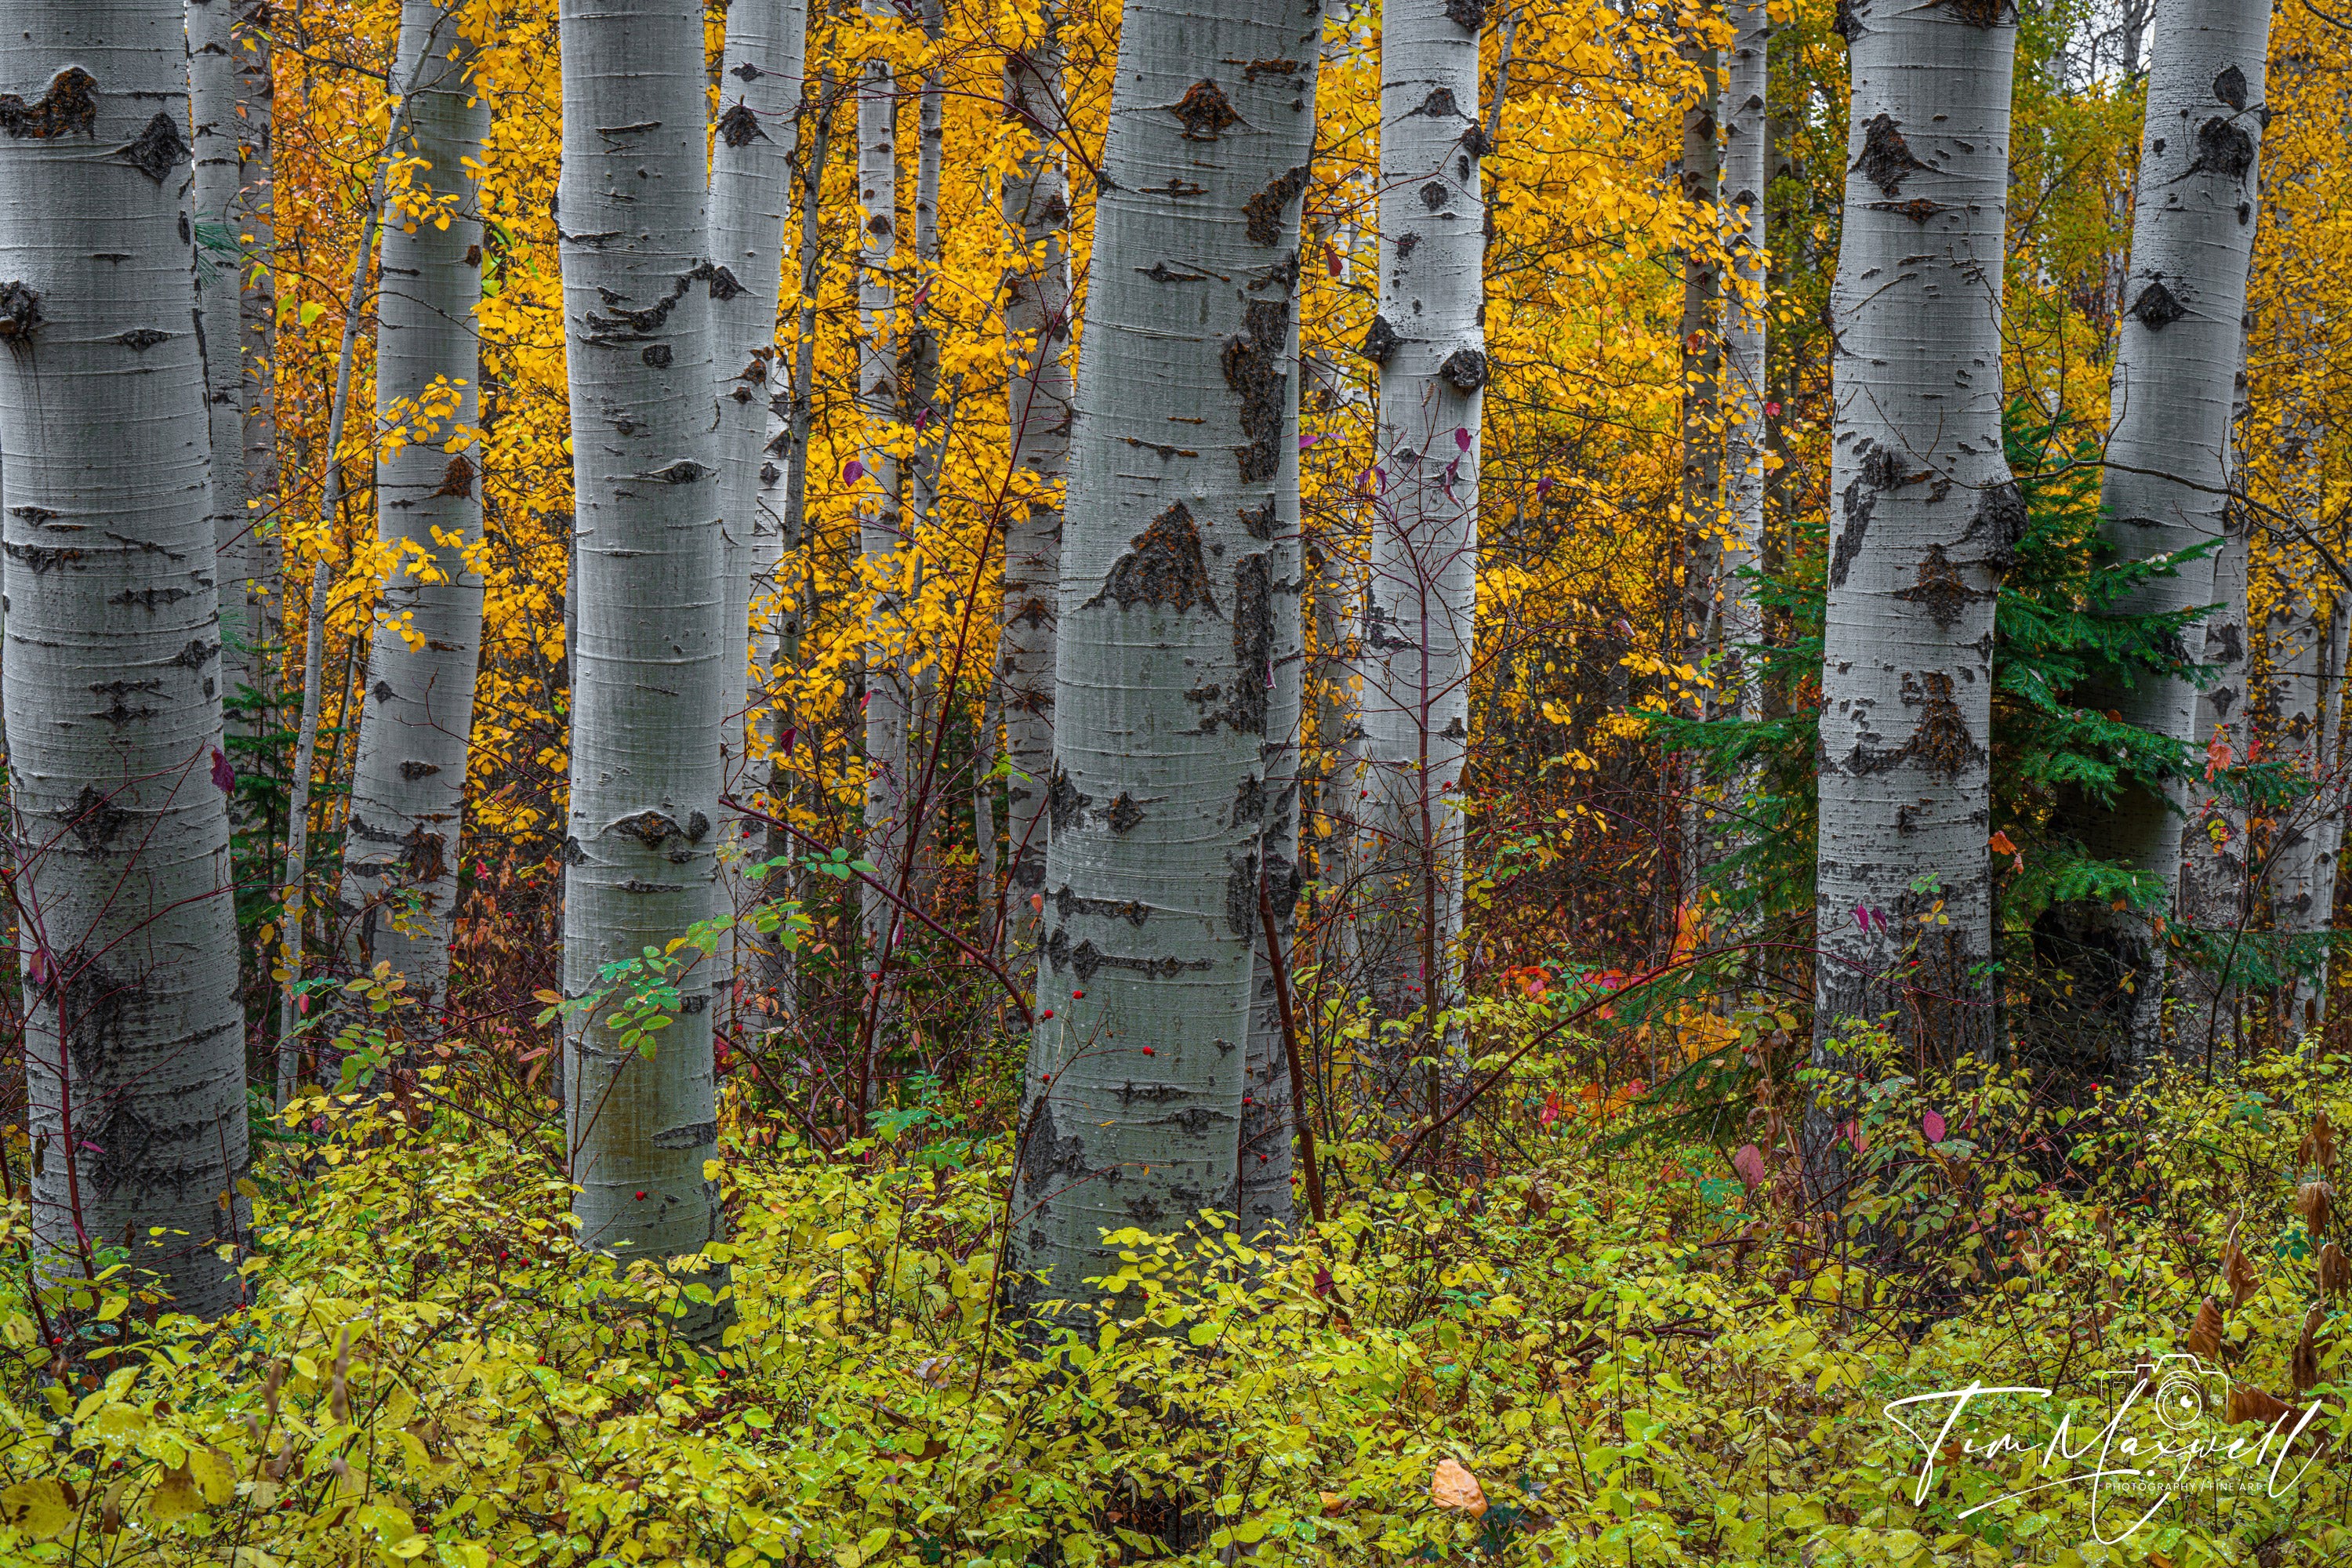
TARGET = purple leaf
x,y
1749,1163
1461,440
1306,441
1862,918
1543,486
1932,1125
223,774
852,471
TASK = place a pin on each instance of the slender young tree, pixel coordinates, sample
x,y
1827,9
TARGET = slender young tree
x,y
1165,674
651,651
1421,599
213,95
1702,355
2306,638
253,216
1924,516
1038,393
1746,313
133,1042
2178,355
751,193
408,776
879,531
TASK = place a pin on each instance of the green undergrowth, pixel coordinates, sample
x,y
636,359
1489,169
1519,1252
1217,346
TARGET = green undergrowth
x,y
1641,1354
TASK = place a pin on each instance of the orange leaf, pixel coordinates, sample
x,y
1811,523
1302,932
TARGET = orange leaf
x,y
1451,1485
2205,1334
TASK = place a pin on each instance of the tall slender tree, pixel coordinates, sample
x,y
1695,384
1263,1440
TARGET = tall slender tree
x,y
213,196
1038,395
134,1037
1925,517
751,193
1162,691
879,531
1746,315
254,217
1421,599
408,775
651,652
2178,355
2306,638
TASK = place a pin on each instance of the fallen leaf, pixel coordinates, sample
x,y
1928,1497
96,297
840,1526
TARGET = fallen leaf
x,y
1451,1485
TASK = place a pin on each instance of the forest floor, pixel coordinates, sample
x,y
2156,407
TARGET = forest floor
x,y
1622,1351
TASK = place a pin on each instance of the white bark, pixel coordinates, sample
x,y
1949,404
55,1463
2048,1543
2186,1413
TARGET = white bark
x,y
1421,599
2213,838
258,311
2177,354
134,1039
1745,320
878,522
653,651
408,775
751,193
1038,392
1157,797
2307,641
212,93
1925,517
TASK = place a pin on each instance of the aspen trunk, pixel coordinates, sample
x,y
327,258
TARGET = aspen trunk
x,y
213,84
928,416
783,507
2306,639
1421,599
1924,516
750,192
653,653
135,1040
2213,842
879,531
1162,691
408,776
2177,354
1036,337
258,311
1746,137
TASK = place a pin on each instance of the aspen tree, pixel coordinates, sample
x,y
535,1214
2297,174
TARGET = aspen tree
x,y
1745,314
213,97
254,216
2177,354
751,193
408,776
1420,596
2306,638
1924,518
652,652
1038,392
133,1042
1164,673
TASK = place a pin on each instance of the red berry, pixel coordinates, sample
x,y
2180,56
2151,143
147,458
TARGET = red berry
x,y
1146,1050
1076,996
1046,1014
641,1197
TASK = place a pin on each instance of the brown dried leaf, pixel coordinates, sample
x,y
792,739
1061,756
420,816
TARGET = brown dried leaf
x,y
2239,1277
2314,1201
1451,1485
2302,1372
2248,1404
2205,1334
2318,1144
2335,1270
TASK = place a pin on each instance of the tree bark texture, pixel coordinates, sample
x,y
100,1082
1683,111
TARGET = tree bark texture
x,y
653,653
2178,355
751,193
408,775
1039,393
1745,314
1421,599
134,1039
212,93
1924,518
1164,678
258,311
2306,642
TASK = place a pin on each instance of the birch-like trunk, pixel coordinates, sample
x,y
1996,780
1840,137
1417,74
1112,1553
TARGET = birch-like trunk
x,y
2306,640
213,94
256,237
134,1039
1421,599
1924,518
653,653
1746,315
1165,674
408,776
2214,868
1267,1155
751,193
929,414
878,522
1038,392
2177,354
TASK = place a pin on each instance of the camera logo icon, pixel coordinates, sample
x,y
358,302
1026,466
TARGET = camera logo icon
x,y
2183,1390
